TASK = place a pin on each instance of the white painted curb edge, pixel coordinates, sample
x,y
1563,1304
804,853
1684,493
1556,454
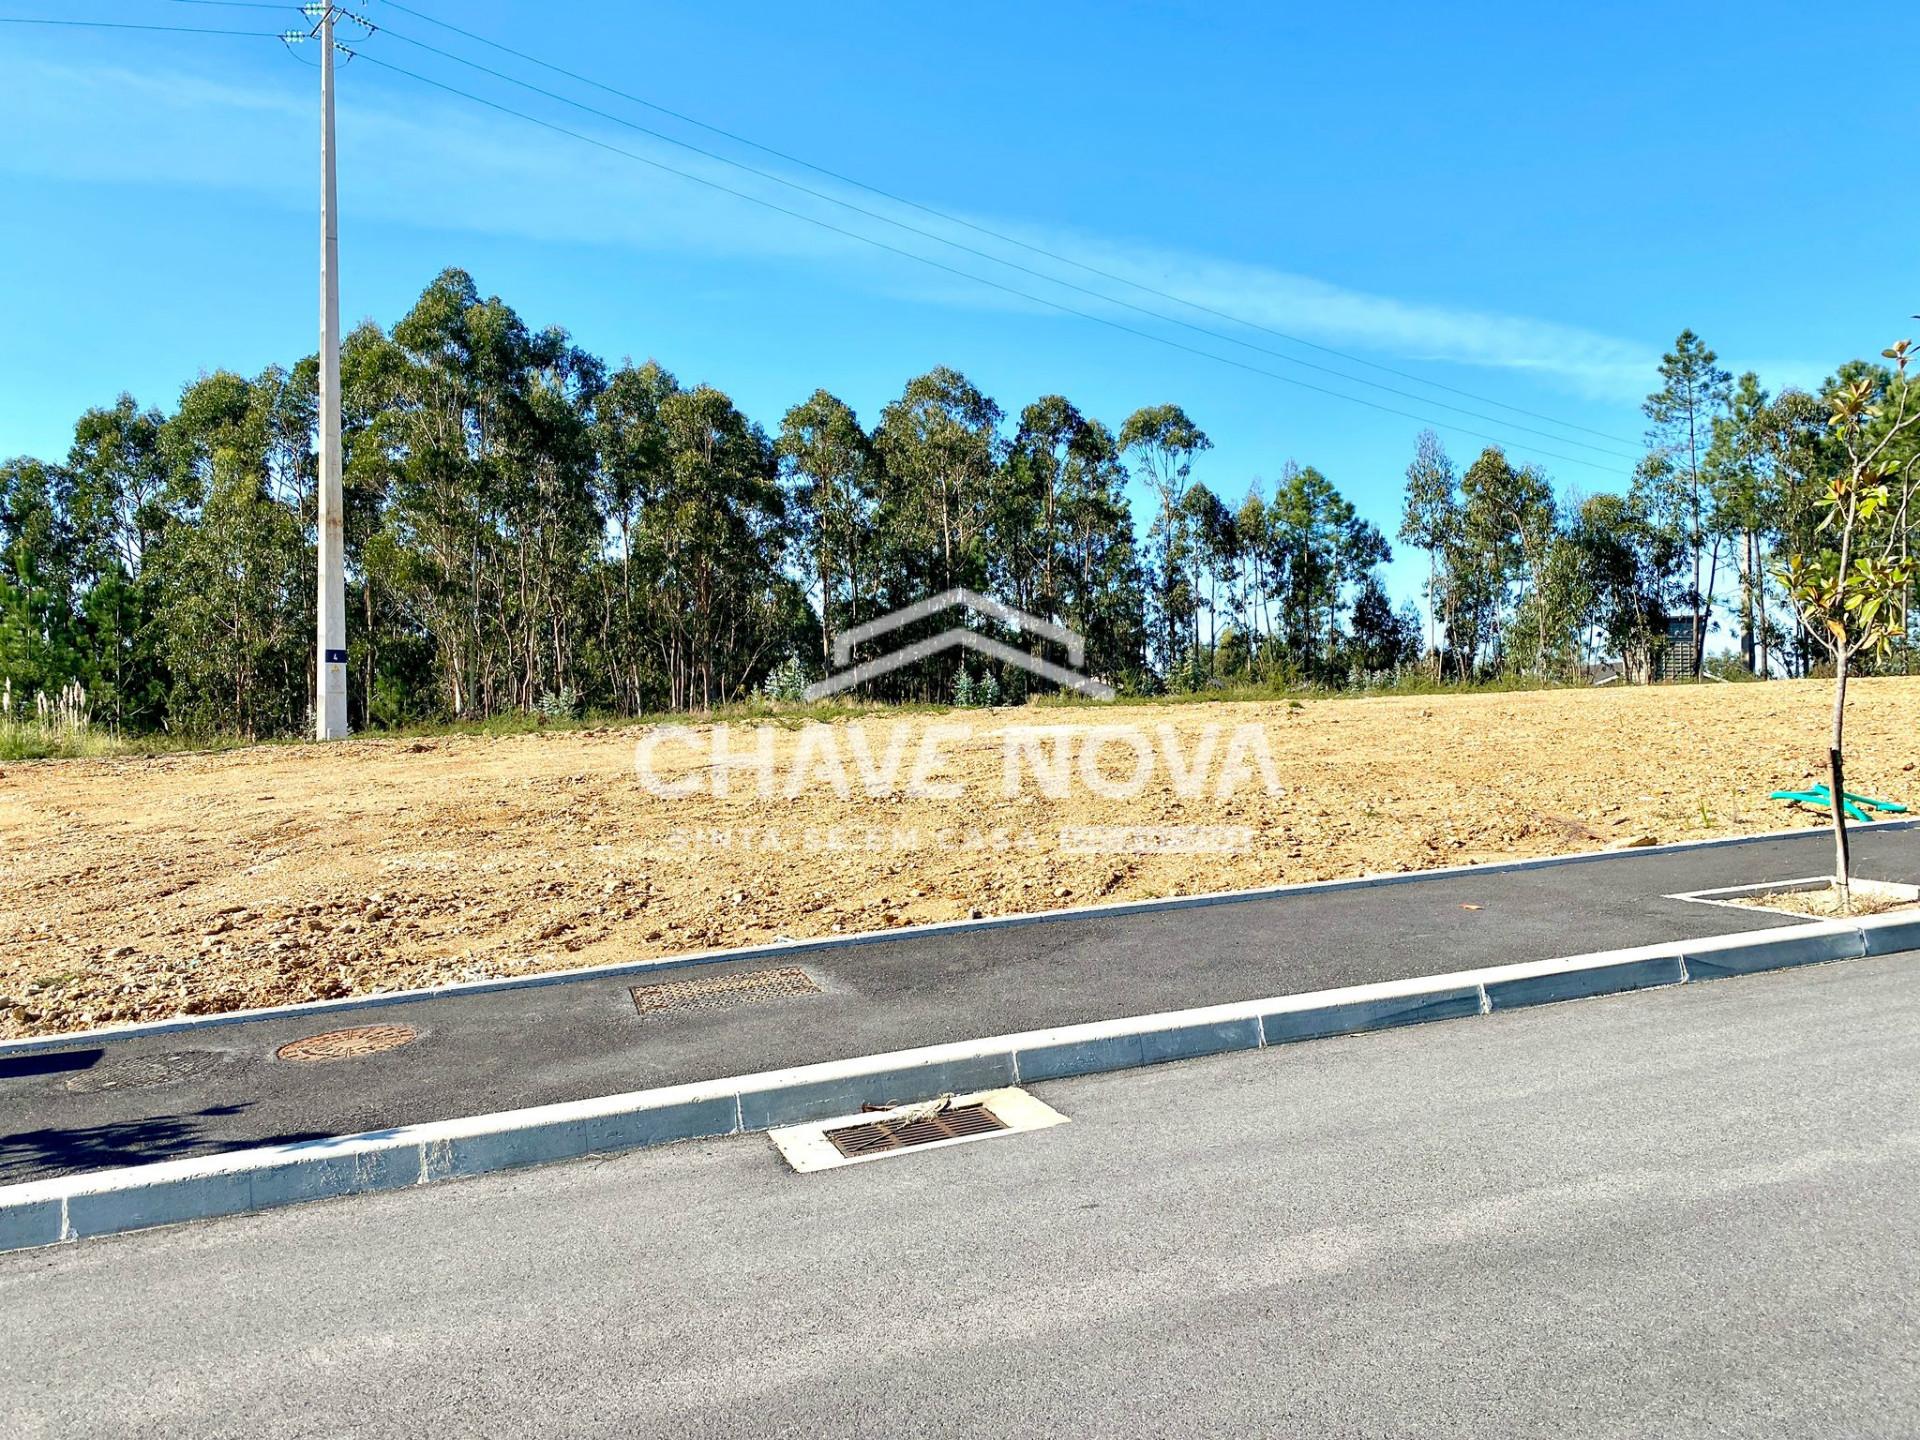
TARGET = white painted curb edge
x,y
47,1212
782,949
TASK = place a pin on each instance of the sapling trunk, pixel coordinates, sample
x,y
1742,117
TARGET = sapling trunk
x,y
1837,785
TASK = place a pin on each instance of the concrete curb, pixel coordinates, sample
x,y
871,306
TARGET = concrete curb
x,y
786,949
48,1212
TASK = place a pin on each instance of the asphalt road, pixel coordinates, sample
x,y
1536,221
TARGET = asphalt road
x,y
1695,1212
95,1106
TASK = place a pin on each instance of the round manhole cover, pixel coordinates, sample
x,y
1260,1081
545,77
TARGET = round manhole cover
x,y
138,1072
349,1044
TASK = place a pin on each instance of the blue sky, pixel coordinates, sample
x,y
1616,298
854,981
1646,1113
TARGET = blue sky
x,y
1525,203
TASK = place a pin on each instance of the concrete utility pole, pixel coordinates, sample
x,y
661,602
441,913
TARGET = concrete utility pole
x,y
330,692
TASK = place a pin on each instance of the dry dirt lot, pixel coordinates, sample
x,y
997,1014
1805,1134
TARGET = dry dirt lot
x,y
138,888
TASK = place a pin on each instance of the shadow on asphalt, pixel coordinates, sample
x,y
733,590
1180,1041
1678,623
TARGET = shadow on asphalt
x,y
50,1062
40,1154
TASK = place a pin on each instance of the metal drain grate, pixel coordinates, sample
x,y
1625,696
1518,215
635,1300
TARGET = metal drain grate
x,y
349,1044
878,1136
723,992
140,1072
895,1131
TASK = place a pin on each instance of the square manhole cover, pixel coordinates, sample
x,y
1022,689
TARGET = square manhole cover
x,y
722,992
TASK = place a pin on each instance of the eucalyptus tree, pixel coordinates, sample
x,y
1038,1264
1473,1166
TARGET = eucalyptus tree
x,y
553,527
1253,526
39,643
1627,562
119,478
491,517
1487,558
1430,519
1216,546
1534,516
1316,545
1795,451
714,546
631,447
1101,582
1053,445
522,524
1361,551
1740,477
118,513
235,576
391,649
462,359
940,445
1164,441
831,475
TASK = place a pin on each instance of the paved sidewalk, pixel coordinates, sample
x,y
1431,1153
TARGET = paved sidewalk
x,y
93,1106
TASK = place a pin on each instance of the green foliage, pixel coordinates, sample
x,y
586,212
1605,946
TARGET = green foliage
x,y
1693,395
828,465
940,445
561,704
1189,676
1430,519
1852,592
1507,589
235,593
1731,669
532,539
786,682
1164,442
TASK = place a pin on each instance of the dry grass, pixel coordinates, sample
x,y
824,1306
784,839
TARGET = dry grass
x,y
1827,904
136,887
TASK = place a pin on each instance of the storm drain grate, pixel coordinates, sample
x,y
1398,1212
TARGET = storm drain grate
x,y
898,1131
349,1044
878,1136
723,992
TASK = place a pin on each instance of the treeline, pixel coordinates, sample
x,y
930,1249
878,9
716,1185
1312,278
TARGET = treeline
x,y
1733,482
530,530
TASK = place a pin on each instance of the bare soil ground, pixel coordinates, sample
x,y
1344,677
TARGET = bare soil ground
x,y
137,888
1827,903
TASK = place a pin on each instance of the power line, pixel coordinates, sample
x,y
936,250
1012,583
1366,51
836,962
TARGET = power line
x,y
867,239
951,269
128,25
993,259
940,239
1004,238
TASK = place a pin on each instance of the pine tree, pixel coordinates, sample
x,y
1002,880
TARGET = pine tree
x,y
1694,391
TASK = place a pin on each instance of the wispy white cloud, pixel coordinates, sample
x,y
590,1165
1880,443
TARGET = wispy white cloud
x,y
408,157
414,157
1594,364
